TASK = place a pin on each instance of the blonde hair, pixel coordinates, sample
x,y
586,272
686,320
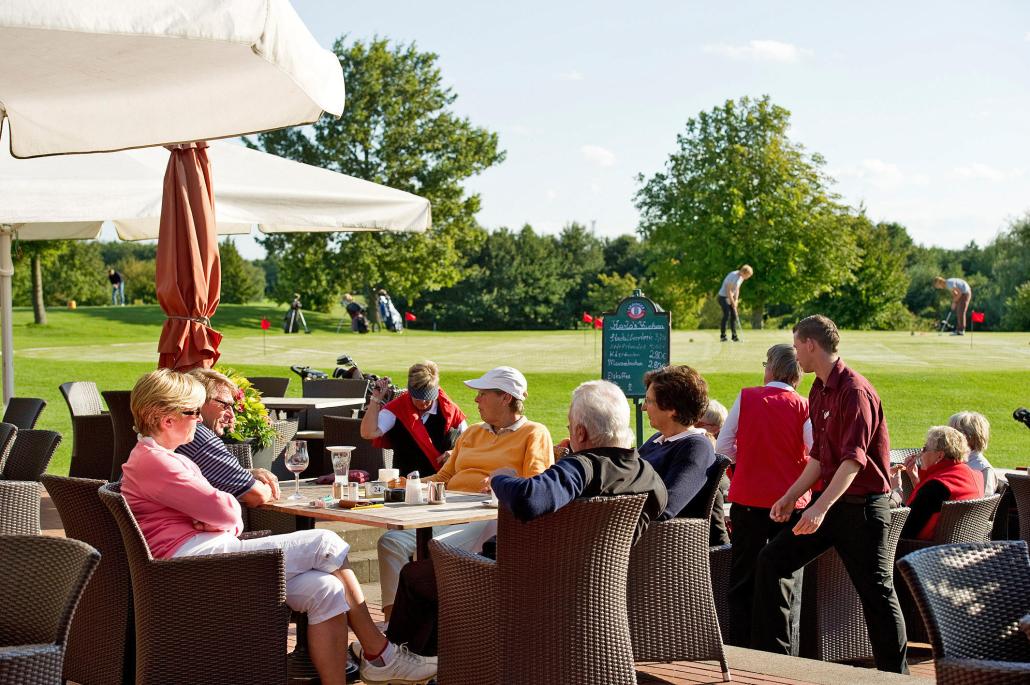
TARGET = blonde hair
x,y
424,375
747,269
212,381
939,282
160,393
974,426
948,440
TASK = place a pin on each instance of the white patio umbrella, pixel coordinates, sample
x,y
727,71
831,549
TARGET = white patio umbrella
x,y
69,197
80,77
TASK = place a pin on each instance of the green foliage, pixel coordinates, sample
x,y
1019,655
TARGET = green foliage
x,y
583,255
870,297
1017,310
252,419
242,281
737,190
398,130
605,293
625,255
72,270
140,278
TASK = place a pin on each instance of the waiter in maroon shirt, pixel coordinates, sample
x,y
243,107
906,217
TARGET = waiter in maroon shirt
x,y
850,458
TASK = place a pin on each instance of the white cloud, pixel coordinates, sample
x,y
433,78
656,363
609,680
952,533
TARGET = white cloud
x,y
571,75
881,175
760,51
595,154
985,172
551,194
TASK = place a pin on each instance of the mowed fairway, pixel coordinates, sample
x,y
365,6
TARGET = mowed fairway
x,y
922,378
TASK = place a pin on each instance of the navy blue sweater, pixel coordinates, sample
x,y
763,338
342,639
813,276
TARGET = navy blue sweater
x,y
683,465
601,471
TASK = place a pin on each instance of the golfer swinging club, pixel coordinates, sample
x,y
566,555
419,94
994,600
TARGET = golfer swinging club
x,y
961,295
729,297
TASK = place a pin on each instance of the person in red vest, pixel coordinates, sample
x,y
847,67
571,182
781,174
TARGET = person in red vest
x,y
420,425
768,434
939,475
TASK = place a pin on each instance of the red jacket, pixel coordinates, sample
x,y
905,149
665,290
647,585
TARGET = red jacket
x,y
770,446
410,418
961,481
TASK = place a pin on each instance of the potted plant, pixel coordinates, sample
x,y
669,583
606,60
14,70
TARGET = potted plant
x,y
253,424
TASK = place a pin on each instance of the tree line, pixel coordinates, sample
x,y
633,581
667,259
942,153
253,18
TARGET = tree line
x,y
735,189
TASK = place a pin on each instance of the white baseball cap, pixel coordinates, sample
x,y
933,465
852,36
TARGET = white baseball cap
x,y
503,378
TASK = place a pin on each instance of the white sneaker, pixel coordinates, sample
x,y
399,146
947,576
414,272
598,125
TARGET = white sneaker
x,y
406,668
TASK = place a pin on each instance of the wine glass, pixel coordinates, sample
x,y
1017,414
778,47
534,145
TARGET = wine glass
x,y
296,459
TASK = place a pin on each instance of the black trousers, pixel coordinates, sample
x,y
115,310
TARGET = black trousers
x,y
858,531
752,531
727,315
414,618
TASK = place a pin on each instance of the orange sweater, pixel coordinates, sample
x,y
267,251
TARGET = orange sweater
x,y
479,452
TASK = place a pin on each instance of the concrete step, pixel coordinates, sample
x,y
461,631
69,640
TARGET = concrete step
x,y
365,565
360,538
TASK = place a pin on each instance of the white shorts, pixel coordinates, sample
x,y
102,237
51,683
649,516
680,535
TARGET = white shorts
x,y
310,557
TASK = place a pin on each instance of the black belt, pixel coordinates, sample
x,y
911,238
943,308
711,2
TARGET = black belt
x,y
862,499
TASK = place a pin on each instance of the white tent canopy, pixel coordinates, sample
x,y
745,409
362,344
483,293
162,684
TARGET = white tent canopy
x,y
99,76
71,196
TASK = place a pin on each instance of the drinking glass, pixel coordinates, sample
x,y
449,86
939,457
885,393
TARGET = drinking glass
x,y
296,459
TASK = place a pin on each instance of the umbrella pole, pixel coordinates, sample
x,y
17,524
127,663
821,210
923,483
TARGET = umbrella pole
x,y
7,333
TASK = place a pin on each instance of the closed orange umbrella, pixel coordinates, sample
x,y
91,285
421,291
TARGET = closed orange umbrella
x,y
189,275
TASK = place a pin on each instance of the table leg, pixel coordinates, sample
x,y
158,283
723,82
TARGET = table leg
x,y
422,538
299,666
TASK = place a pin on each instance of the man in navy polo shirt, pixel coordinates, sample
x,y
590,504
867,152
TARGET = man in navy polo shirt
x,y
851,458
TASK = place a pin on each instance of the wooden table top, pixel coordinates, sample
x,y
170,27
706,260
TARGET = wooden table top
x,y
460,508
297,403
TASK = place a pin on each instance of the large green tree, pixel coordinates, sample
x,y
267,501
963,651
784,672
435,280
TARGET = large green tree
x,y
397,129
737,190
242,281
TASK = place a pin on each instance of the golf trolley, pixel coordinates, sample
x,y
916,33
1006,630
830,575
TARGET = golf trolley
x,y
944,325
345,369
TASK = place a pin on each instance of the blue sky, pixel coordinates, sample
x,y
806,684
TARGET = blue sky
x,y
920,108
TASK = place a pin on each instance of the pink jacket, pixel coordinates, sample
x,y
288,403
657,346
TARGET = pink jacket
x,y
167,493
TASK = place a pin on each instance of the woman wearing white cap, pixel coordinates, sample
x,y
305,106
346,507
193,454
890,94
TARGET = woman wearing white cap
x,y
505,439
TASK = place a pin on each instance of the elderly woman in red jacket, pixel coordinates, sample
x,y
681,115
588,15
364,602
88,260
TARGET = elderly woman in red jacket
x,y
939,474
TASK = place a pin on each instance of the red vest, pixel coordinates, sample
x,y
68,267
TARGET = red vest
x,y
770,446
409,417
961,481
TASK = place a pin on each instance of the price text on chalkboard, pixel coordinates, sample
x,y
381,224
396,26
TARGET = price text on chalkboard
x,y
635,340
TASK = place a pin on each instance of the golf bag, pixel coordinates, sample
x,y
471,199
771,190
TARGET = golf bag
x,y
1022,415
945,325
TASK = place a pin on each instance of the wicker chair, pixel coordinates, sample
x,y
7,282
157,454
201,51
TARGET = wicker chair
x,y
23,412
672,614
123,433
43,580
92,431
270,386
190,612
342,430
29,456
101,645
1020,486
961,521
703,504
971,597
8,431
576,621
334,387
833,626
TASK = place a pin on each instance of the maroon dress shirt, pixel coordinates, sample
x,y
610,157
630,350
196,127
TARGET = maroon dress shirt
x,y
848,423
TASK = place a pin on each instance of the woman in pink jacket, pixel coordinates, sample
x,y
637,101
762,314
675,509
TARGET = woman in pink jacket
x,y
181,514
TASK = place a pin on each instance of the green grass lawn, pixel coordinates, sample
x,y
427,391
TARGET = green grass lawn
x,y
922,378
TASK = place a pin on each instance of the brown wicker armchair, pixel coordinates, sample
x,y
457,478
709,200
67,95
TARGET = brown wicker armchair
x,y
190,612
1019,484
342,430
27,460
560,579
672,613
971,597
961,521
833,626
8,431
43,580
23,412
123,435
92,431
101,645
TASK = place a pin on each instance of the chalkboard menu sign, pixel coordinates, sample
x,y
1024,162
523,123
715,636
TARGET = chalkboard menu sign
x,y
635,340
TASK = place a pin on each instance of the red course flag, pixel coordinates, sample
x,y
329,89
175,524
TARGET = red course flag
x,y
599,322
408,316
265,324
587,318
978,317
